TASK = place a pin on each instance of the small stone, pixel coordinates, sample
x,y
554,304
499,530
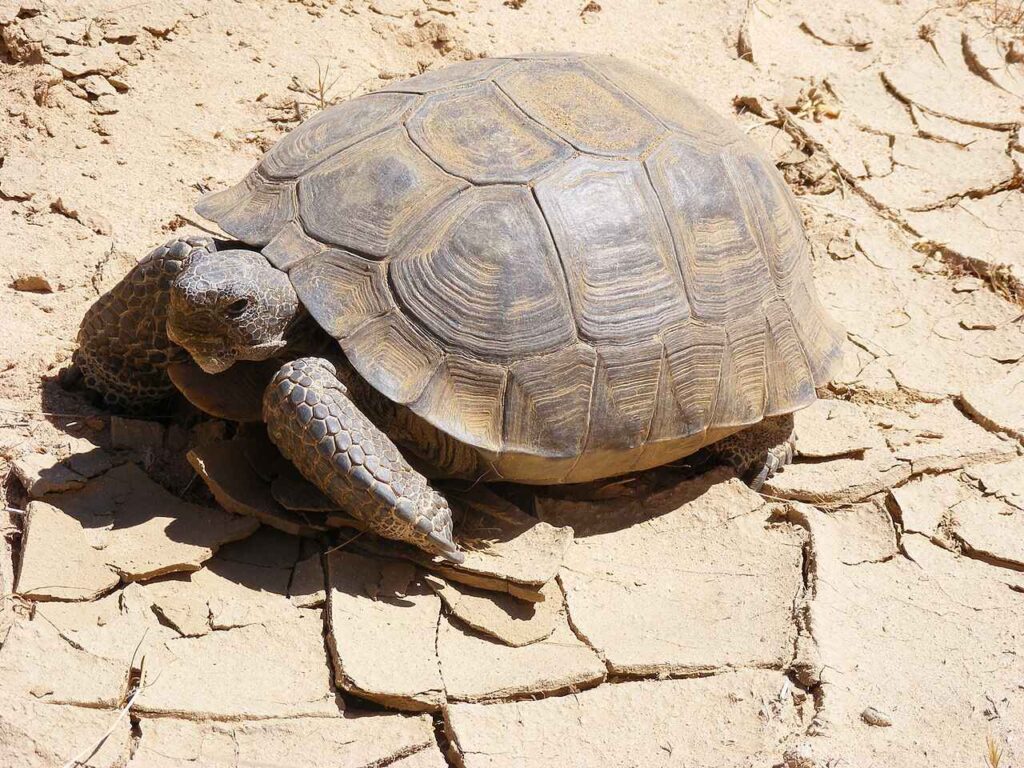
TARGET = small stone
x,y
105,105
872,716
135,434
41,473
119,83
32,283
96,85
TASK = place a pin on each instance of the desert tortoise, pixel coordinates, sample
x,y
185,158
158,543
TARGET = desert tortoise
x,y
542,269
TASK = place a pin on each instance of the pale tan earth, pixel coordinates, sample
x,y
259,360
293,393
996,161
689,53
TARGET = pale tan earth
x,y
866,610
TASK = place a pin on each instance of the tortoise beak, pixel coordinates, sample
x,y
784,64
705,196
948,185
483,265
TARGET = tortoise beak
x,y
214,363
209,354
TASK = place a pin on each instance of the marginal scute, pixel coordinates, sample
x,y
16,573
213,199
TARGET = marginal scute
x,y
547,403
291,245
464,399
482,276
580,106
625,392
393,356
820,335
478,134
620,264
693,359
254,210
672,104
789,383
451,76
725,269
331,131
365,198
741,396
342,291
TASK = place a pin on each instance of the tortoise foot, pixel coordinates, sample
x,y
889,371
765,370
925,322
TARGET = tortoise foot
x,y
758,452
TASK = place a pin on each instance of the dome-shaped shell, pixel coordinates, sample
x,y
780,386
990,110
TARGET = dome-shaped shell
x,y
566,262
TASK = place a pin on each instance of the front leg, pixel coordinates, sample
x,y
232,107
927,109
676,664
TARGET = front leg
x,y
123,350
336,447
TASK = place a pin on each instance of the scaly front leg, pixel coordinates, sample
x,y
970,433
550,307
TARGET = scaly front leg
x,y
314,423
123,350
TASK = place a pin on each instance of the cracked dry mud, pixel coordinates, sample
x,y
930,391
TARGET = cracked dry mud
x,y
865,610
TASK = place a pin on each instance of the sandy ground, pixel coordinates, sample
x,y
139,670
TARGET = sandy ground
x,y
866,610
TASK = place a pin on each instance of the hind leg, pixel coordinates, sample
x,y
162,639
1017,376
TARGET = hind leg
x,y
757,452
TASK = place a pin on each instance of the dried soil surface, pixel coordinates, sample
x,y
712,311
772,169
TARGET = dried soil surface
x,y
866,610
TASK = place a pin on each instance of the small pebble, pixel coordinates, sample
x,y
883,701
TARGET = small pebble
x,y
872,716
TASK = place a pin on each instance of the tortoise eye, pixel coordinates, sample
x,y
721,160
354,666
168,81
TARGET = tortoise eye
x,y
236,308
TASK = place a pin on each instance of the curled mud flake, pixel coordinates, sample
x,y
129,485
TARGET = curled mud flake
x,y
876,717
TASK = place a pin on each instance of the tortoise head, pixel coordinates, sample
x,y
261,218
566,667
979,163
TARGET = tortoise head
x,y
230,305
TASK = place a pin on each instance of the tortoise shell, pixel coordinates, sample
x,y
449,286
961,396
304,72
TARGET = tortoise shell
x,y
566,262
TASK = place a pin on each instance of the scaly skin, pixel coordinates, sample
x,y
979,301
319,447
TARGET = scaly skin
x,y
335,446
757,452
123,349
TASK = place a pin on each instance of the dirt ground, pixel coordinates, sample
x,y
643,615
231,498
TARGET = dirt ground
x,y
867,609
